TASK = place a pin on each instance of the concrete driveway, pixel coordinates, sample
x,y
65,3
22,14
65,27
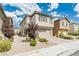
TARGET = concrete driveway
x,y
66,49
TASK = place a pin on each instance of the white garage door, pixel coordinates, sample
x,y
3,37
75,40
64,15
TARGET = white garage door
x,y
44,33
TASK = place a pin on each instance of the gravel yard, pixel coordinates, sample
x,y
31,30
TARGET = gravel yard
x,y
20,47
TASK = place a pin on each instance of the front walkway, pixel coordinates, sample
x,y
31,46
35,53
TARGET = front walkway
x,y
20,47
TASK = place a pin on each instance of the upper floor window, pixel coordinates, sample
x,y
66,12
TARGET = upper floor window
x,y
42,18
1,16
50,20
64,24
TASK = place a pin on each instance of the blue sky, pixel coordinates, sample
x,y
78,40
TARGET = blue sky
x,y
57,10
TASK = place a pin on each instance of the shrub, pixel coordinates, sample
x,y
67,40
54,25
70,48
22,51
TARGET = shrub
x,y
37,38
0,38
46,43
74,34
77,37
67,37
11,39
33,42
43,40
61,35
5,45
1,35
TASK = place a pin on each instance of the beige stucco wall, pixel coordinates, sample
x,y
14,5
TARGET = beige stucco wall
x,y
33,19
0,23
24,25
74,28
44,33
64,27
45,24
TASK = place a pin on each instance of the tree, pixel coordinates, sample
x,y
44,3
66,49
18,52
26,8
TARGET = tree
x,y
7,28
32,30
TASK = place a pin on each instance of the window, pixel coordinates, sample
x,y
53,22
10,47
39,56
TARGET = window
x,y
50,20
42,18
64,24
39,17
46,19
1,16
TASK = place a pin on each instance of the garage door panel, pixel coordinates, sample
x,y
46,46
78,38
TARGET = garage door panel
x,y
44,33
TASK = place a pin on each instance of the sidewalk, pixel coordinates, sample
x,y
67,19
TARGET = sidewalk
x,y
59,50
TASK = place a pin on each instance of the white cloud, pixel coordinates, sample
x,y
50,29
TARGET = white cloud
x,y
55,14
55,19
76,8
71,21
18,12
27,8
77,15
10,14
14,16
53,6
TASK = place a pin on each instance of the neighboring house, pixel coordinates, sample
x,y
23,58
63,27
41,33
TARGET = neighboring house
x,y
61,26
74,28
43,21
2,16
16,31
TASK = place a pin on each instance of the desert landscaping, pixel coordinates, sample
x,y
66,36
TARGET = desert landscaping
x,y
37,31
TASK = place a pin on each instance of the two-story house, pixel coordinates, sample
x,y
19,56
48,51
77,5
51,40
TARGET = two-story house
x,y
2,16
61,26
74,28
43,21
